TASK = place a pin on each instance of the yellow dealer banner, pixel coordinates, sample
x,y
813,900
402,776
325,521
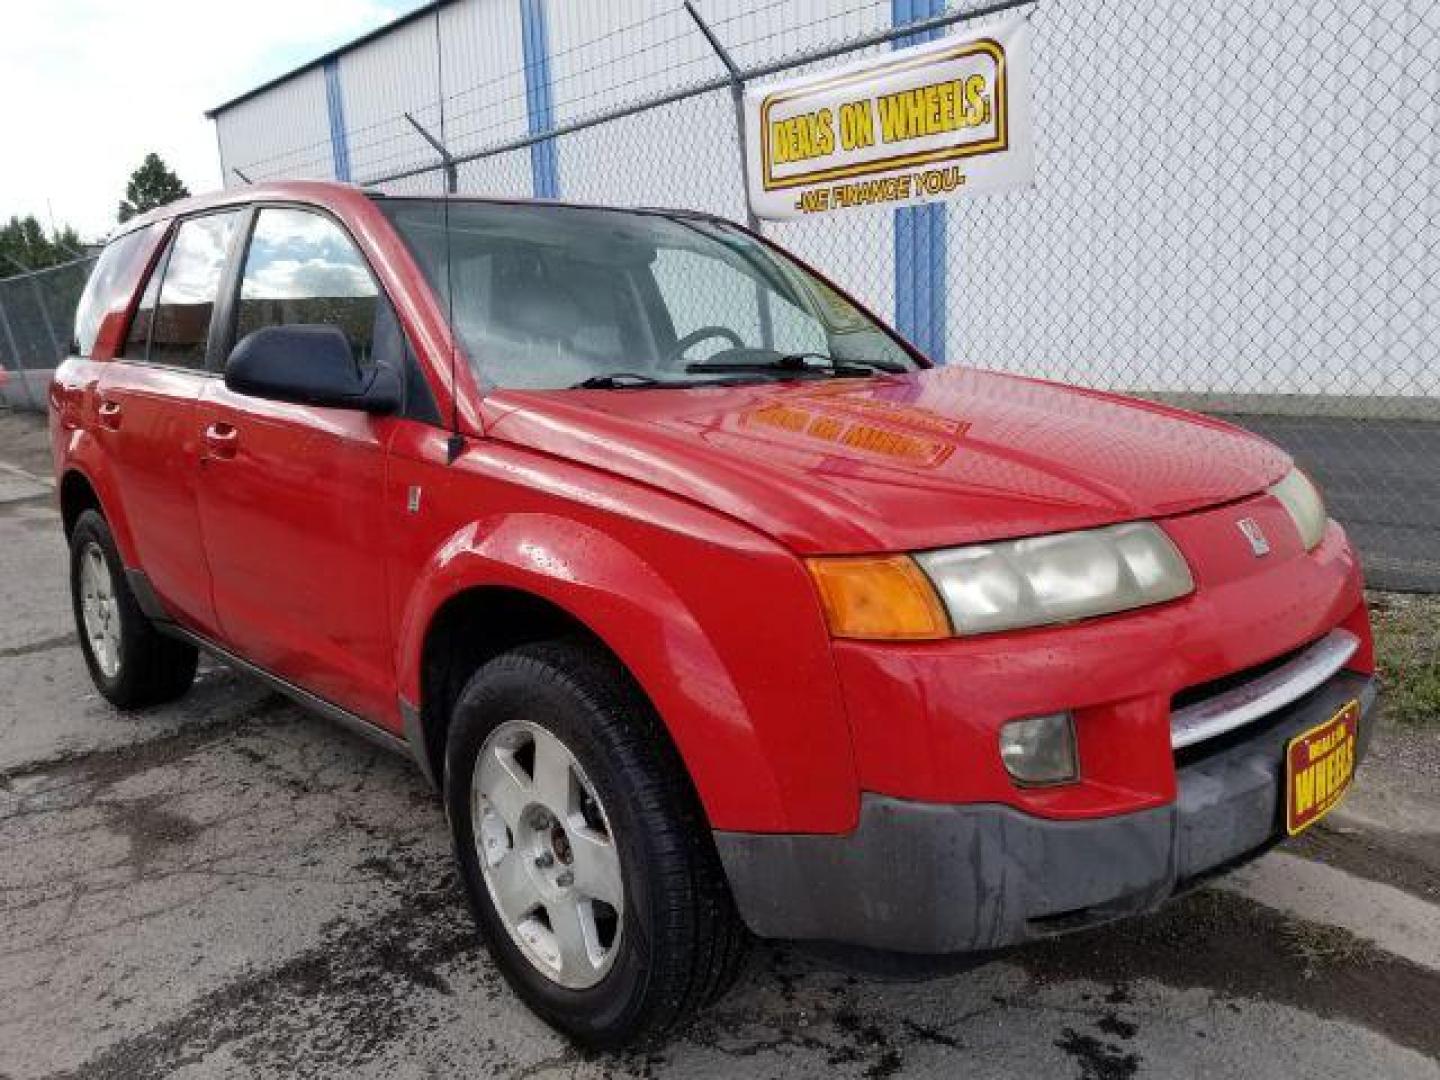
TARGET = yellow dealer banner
x,y
937,121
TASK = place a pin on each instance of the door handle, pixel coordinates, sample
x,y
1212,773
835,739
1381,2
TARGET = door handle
x,y
222,439
109,412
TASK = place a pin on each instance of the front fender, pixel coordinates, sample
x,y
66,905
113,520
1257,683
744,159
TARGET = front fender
x,y
727,642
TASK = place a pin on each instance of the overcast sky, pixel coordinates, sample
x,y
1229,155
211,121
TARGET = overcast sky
x,y
90,86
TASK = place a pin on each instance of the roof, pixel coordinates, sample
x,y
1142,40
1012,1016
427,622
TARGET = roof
x,y
325,193
335,195
394,24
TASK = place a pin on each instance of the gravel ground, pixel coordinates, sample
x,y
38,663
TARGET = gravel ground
x,y
229,887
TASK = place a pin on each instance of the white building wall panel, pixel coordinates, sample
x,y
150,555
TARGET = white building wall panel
x,y
484,73
282,133
607,56
604,56
380,82
759,32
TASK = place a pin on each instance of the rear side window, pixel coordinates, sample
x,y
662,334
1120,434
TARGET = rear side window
x,y
187,295
302,268
111,283
137,340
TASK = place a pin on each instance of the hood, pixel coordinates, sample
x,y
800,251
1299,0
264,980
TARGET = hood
x,y
900,463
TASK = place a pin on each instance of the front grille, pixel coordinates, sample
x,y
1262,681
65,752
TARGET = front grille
x,y
1193,695
1186,756
1217,712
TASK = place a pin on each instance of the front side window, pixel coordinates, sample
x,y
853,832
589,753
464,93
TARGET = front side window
x,y
301,268
549,297
196,263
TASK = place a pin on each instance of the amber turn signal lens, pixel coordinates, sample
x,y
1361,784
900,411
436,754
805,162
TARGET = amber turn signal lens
x,y
879,598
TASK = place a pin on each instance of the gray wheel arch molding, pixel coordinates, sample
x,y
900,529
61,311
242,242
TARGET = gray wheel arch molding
x,y
414,728
145,596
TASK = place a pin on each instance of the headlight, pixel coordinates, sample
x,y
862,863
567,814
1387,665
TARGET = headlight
x,y
1059,578
1301,498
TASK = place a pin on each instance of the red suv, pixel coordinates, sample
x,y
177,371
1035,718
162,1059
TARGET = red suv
x,y
709,605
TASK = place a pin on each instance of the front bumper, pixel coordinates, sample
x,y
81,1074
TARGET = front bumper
x,y
931,878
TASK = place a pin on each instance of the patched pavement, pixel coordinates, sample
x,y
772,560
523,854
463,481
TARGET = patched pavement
x,y
230,887
1379,477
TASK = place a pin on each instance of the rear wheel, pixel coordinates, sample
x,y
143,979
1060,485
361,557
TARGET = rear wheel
x,y
131,663
583,850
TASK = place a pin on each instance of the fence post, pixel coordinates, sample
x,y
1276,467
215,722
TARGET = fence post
x,y
737,96
447,159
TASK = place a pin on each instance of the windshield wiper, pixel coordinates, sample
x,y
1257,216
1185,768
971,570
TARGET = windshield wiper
x,y
887,366
798,363
616,380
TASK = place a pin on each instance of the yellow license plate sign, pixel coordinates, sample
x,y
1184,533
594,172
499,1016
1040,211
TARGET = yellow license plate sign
x,y
1319,765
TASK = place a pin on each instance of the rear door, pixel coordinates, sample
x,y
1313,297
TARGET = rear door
x,y
146,412
292,496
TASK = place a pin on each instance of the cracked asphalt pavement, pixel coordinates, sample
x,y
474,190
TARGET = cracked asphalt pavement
x,y
231,887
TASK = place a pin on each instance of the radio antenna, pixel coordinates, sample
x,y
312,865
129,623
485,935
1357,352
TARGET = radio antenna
x,y
456,443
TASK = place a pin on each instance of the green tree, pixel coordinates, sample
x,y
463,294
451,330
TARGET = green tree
x,y
24,246
152,184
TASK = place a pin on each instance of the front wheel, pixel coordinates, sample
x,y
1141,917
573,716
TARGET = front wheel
x,y
583,850
131,663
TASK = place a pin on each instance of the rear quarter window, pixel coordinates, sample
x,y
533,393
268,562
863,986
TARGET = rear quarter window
x,y
111,284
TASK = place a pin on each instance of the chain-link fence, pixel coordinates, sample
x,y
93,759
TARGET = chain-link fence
x,y
37,312
1235,207
1235,204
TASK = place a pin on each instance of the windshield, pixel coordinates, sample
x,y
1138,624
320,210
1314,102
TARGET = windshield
x,y
547,297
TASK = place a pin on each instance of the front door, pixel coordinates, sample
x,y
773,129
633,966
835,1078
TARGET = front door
x,y
148,397
292,497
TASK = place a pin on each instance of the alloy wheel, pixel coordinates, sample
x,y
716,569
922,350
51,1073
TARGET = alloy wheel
x,y
547,854
100,610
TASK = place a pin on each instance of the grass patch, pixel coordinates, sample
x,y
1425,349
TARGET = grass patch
x,y
1318,947
1407,649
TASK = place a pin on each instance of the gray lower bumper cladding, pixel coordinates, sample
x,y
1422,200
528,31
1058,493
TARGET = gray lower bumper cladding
x,y
927,878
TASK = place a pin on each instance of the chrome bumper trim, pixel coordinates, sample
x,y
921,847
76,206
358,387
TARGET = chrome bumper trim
x,y
1263,695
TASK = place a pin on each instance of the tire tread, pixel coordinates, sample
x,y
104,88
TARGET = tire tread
x,y
700,940
155,668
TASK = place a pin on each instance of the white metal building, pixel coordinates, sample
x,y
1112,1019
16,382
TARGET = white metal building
x,y
1232,198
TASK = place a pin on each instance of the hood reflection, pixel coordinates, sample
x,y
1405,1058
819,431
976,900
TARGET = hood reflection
x,y
829,417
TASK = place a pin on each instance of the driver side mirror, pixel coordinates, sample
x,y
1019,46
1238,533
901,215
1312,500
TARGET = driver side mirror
x,y
309,365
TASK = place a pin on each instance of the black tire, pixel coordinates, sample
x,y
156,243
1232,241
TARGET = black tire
x,y
681,943
152,668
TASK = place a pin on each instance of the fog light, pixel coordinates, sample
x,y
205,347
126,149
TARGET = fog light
x,y
1040,750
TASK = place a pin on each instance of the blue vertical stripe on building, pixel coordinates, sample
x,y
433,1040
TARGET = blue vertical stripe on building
x,y
335,105
920,292
535,43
